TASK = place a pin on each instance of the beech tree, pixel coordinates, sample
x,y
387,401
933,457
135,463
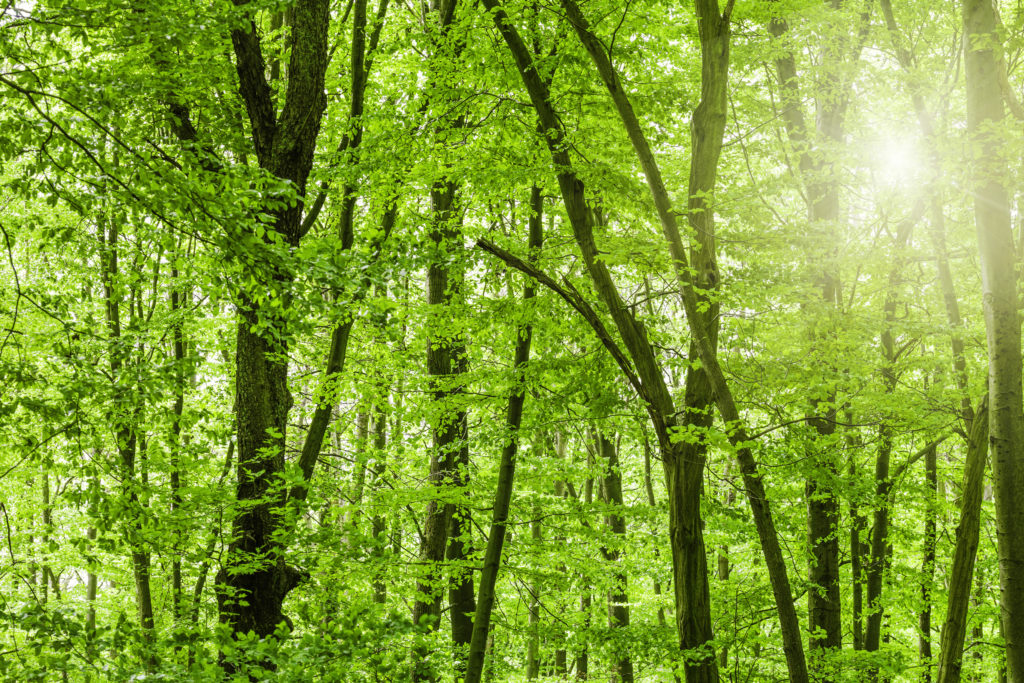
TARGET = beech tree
x,y
347,341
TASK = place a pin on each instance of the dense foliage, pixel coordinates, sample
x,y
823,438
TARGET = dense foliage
x,y
509,340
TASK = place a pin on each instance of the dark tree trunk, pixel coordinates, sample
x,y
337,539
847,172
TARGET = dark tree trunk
x,y
378,523
924,621
641,368
443,366
445,362
954,629
255,580
179,295
506,468
125,429
533,618
461,597
649,489
881,549
819,175
618,596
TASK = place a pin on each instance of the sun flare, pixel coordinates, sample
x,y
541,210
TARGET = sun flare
x,y
897,161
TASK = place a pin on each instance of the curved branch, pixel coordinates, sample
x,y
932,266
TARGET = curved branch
x,y
574,299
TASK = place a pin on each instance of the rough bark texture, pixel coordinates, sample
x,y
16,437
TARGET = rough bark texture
x,y
995,241
255,580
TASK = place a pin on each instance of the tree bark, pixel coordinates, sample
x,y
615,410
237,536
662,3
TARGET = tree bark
x,y
819,176
506,466
124,428
444,345
881,548
649,490
533,618
179,296
985,113
954,629
445,362
652,389
618,597
255,580
378,521
924,622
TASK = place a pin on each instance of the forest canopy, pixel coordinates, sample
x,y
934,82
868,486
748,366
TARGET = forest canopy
x,y
505,340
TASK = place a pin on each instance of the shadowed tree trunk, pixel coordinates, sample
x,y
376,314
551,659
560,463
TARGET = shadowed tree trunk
x,y
618,596
924,621
445,363
533,619
507,465
124,427
881,548
256,579
819,174
954,630
641,367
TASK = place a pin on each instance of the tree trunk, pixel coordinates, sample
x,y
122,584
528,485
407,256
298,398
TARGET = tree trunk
x,y
179,296
255,580
461,597
819,175
506,466
533,620
445,361
644,373
618,598
1002,322
443,349
924,622
379,521
858,524
649,489
881,549
583,656
560,667
124,427
954,629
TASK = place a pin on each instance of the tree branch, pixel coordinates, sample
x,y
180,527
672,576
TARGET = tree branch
x,y
576,301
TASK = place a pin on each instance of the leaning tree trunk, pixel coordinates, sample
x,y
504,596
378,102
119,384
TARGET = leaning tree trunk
x,y
506,466
641,368
954,630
